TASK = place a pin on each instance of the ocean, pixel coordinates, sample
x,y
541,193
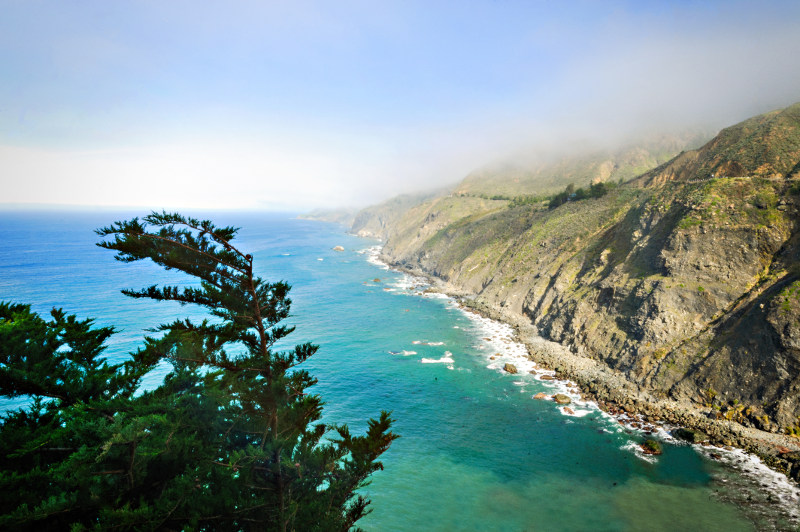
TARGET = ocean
x,y
477,452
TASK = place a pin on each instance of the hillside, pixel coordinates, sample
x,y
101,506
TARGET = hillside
x,y
578,165
764,146
685,280
492,187
337,216
376,221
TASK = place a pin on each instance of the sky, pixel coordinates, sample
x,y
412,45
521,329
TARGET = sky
x,y
304,104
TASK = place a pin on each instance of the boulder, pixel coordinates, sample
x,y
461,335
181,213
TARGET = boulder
x,y
690,435
510,368
568,410
338,248
540,395
561,399
651,447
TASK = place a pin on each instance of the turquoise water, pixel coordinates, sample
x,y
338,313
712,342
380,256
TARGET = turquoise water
x,y
476,451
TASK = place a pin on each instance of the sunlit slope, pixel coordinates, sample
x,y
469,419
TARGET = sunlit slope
x,y
578,165
689,284
377,220
763,146
407,221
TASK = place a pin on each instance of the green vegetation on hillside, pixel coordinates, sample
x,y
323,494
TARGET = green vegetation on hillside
x,y
765,146
581,165
521,232
734,201
683,278
570,193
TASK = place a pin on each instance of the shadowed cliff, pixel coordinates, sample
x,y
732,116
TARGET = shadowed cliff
x,y
686,278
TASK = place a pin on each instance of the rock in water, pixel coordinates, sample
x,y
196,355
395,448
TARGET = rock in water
x,y
338,248
510,368
651,447
690,435
561,399
540,395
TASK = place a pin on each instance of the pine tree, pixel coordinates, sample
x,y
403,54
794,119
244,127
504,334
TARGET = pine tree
x,y
231,440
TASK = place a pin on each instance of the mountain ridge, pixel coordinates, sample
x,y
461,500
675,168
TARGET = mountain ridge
x,y
684,280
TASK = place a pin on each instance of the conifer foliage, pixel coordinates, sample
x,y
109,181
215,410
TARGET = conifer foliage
x,y
231,440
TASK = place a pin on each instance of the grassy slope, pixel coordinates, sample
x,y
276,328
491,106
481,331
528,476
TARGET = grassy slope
x,y
660,277
763,146
580,168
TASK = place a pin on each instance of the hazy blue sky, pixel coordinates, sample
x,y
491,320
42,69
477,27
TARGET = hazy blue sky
x,y
179,104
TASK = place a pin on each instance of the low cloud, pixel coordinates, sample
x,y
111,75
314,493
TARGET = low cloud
x,y
313,106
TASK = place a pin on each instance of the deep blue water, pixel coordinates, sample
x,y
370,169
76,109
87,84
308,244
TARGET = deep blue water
x,y
476,451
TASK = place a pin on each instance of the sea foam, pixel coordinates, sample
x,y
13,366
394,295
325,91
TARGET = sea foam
x,y
498,346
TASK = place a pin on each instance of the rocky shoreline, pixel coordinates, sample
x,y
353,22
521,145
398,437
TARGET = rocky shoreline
x,y
616,395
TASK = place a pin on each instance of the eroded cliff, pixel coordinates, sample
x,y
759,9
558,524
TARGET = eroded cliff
x,y
686,279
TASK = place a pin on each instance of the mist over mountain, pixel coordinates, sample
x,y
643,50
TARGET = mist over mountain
x,y
682,280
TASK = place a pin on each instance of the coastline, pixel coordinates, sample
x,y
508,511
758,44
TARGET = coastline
x,y
747,475
617,396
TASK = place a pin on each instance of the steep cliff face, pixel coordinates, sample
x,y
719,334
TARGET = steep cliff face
x,y
687,284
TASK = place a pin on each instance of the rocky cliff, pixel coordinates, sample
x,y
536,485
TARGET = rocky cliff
x,y
685,280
